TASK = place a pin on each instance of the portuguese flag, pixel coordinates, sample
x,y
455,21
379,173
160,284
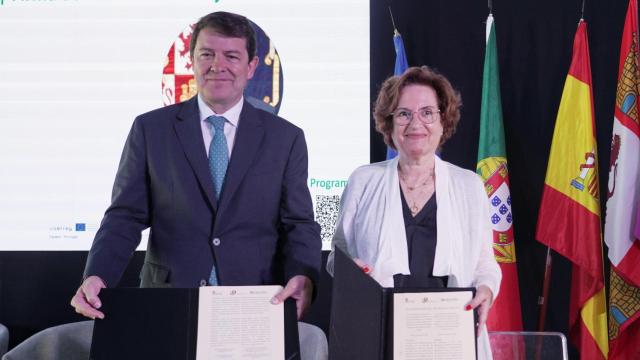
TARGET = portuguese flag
x,y
492,167
569,217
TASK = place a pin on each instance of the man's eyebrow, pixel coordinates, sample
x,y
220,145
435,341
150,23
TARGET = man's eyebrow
x,y
225,51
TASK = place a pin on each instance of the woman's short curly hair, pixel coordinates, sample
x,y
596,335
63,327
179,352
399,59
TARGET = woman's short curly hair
x,y
449,101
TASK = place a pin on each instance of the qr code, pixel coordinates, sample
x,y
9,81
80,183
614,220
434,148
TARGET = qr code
x,y
327,207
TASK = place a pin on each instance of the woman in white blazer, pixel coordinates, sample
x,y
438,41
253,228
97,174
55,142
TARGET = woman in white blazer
x,y
417,220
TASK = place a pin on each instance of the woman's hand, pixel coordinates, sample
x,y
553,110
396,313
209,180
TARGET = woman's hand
x,y
362,265
483,300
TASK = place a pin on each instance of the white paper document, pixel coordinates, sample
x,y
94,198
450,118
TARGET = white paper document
x,y
239,322
433,325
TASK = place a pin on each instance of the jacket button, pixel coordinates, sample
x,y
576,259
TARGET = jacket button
x,y
216,242
203,282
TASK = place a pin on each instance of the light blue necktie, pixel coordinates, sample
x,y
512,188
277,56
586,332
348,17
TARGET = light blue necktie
x,y
218,162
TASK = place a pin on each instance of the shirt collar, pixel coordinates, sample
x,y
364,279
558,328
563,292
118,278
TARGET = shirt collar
x,y
232,115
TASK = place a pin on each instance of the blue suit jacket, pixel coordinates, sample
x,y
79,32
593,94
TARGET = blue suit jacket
x,y
261,232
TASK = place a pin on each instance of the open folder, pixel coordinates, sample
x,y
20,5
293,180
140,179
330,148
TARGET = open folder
x,y
164,324
372,322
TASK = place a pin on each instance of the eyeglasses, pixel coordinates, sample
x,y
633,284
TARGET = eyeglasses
x,y
403,117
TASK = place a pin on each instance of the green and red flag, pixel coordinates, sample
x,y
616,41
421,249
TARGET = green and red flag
x,y
505,314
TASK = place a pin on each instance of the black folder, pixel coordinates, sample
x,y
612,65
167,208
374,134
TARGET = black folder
x,y
358,313
362,313
160,324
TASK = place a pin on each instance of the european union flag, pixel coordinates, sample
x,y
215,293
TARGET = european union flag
x,y
401,56
400,67
81,227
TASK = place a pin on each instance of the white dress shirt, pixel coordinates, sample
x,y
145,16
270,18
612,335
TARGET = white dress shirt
x,y
231,125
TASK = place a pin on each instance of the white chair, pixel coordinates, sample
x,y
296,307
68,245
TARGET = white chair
x,y
522,345
73,341
4,339
313,342
69,341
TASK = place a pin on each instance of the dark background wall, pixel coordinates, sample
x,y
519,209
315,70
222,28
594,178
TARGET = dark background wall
x,y
534,45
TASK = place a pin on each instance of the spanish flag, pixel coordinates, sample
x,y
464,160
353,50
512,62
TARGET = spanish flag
x,y
569,217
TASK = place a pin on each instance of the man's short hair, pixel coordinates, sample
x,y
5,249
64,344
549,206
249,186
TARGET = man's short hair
x,y
229,25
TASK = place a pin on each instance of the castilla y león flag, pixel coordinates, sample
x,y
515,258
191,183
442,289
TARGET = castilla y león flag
x,y
623,199
569,217
505,313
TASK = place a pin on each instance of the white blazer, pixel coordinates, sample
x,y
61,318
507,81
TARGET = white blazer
x,y
371,227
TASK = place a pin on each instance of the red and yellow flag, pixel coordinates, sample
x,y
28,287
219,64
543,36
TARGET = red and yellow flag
x,y
569,217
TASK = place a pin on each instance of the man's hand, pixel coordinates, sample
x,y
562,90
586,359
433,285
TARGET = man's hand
x,y
86,301
299,288
483,299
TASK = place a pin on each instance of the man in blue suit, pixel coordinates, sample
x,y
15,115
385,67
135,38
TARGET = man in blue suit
x,y
221,184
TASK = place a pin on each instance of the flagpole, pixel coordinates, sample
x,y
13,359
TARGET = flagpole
x,y
543,300
393,23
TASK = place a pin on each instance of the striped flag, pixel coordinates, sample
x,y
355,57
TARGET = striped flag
x,y
622,220
505,313
399,68
569,217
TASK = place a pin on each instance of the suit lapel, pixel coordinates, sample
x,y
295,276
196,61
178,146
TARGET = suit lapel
x,y
247,142
189,134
